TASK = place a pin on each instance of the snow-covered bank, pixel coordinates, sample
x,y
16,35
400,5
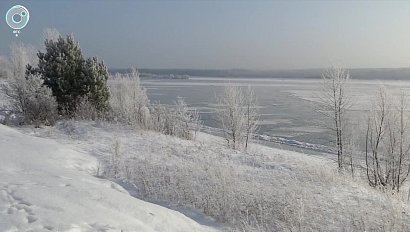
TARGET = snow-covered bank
x,y
274,189
277,141
47,186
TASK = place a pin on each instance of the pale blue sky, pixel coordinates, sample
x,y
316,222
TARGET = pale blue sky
x,y
226,34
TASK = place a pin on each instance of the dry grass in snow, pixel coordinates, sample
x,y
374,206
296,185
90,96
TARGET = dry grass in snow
x,y
266,189
49,186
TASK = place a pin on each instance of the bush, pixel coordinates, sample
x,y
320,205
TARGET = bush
x,y
179,121
128,100
85,110
40,105
32,99
70,77
129,104
160,119
186,121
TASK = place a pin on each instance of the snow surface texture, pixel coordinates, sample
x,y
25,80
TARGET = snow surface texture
x,y
293,191
47,186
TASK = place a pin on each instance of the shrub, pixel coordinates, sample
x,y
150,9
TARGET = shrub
x,y
128,100
40,105
32,99
186,120
178,120
129,104
85,110
28,98
160,119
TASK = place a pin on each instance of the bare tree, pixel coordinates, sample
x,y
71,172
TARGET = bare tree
x,y
387,145
334,103
351,147
401,168
238,115
196,121
251,114
375,135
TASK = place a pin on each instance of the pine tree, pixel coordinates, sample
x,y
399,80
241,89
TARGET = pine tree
x,y
70,77
96,75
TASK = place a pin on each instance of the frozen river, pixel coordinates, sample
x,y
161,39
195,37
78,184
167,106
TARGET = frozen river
x,y
287,107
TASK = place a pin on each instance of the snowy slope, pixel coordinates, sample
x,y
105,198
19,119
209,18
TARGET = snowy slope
x,y
300,192
47,186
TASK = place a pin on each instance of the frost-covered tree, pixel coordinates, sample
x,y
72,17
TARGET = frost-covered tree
x,y
39,106
387,142
186,121
334,103
177,120
251,114
232,116
128,99
160,118
21,55
32,99
27,95
400,139
238,116
182,119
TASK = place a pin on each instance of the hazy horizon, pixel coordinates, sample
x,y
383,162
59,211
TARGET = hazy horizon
x,y
255,35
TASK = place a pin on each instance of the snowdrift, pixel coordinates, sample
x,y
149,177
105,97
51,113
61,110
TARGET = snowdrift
x,y
47,186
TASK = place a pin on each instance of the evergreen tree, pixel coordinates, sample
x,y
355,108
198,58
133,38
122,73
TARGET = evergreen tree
x,y
70,77
96,75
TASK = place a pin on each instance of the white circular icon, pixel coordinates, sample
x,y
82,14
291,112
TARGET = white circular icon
x,y
17,17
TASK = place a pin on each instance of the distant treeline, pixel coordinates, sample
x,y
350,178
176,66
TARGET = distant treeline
x,y
363,74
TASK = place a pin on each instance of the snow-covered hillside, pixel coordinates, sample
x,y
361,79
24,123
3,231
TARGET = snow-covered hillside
x,y
47,186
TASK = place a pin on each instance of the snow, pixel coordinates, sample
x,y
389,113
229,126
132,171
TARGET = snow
x,y
360,91
53,185
297,190
49,186
298,144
